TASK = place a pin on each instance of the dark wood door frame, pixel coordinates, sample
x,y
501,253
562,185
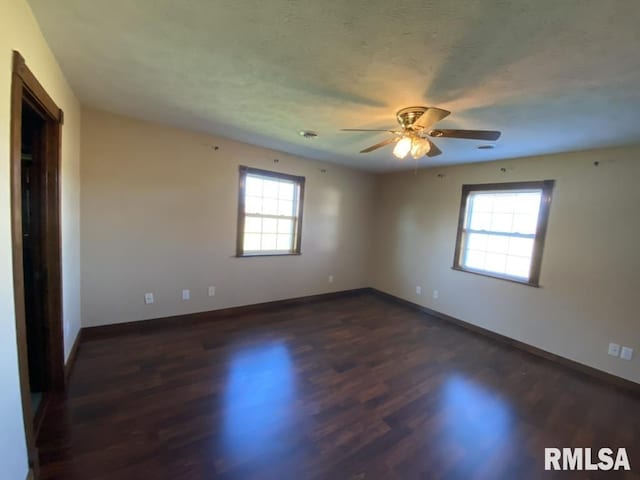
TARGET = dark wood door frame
x,y
26,88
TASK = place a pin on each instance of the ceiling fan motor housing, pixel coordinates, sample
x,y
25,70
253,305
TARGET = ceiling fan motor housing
x,y
407,116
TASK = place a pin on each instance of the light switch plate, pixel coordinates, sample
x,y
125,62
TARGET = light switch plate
x,y
614,349
186,294
626,353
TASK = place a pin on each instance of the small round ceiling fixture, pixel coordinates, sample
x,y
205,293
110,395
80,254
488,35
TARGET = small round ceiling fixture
x,y
486,147
308,133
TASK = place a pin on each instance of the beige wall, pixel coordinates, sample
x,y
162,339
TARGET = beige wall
x,y
19,31
159,213
590,269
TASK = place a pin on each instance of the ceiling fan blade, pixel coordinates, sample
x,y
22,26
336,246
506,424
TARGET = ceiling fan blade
x,y
367,130
380,145
434,151
466,134
431,116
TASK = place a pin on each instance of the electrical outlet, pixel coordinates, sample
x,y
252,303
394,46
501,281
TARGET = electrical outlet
x,y
436,294
626,353
418,290
212,291
186,294
330,278
148,298
614,349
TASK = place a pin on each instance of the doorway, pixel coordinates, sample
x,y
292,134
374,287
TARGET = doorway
x,y
35,220
33,258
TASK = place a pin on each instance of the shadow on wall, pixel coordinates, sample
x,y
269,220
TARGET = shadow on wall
x,y
330,210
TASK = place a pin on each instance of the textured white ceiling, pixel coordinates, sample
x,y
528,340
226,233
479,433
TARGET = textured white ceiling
x,y
553,75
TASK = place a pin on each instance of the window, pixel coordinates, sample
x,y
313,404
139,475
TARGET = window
x,y
501,230
269,213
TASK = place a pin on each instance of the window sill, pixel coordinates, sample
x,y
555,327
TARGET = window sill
x,y
250,255
497,276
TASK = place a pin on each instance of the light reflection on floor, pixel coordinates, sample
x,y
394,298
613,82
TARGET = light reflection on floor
x,y
258,399
477,423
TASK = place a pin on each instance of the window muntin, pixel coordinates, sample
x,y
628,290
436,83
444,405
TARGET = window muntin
x,y
501,230
270,211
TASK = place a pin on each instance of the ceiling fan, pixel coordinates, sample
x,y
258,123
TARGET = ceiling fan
x,y
416,123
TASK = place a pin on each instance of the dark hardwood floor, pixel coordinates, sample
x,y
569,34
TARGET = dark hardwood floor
x,y
357,387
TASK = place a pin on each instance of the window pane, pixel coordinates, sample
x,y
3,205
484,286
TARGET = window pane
x,y
252,241
518,266
286,191
521,247
482,203
285,207
253,205
475,259
480,221
497,244
252,224
477,241
270,206
528,203
525,223
495,211
284,242
268,241
503,202
501,222
270,188
285,226
269,225
253,186
495,262
499,254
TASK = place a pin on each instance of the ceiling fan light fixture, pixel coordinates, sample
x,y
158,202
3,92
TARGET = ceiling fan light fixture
x,y
416,126
402,148
419,148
